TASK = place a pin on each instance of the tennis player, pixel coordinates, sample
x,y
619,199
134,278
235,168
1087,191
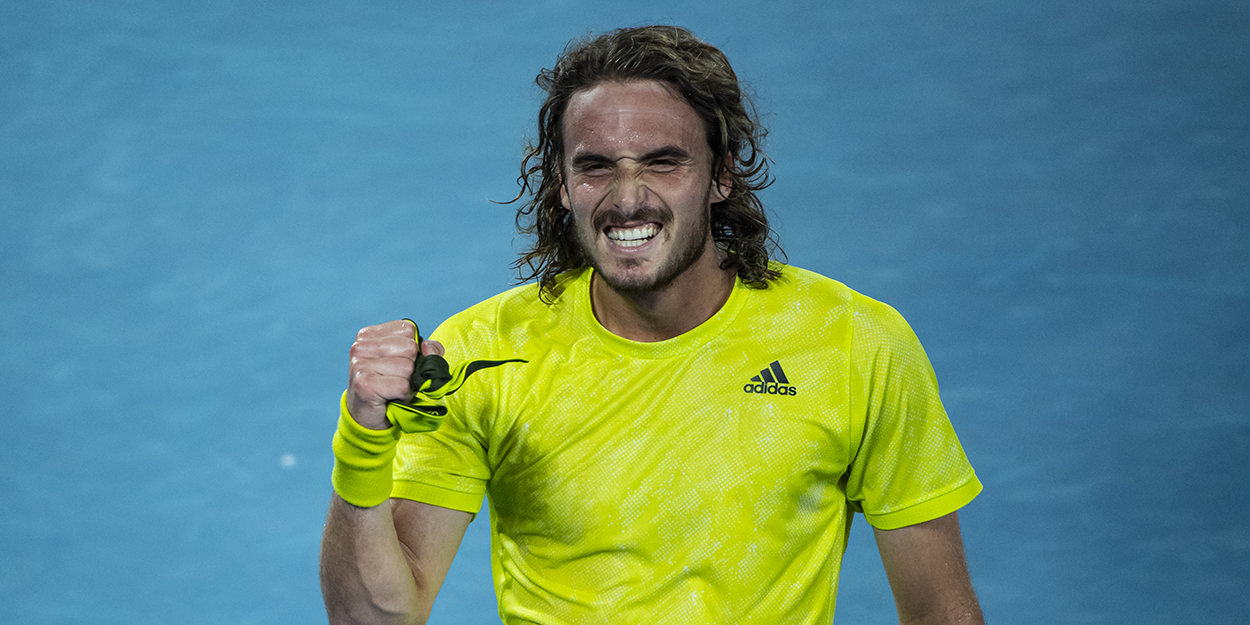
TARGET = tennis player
x,y
669,424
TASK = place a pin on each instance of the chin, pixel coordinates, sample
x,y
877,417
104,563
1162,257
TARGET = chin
x,y
632,281
633,277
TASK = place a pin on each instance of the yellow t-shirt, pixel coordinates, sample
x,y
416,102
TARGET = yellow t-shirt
x,y
708,478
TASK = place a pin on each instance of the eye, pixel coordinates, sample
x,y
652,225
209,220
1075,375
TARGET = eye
x,y
592,168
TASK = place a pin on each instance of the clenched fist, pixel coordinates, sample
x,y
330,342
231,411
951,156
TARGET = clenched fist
x,y
381,364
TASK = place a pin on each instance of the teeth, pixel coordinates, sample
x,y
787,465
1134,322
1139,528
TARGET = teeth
x,y
633,237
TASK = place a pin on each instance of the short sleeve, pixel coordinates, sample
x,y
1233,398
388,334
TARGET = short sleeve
x,y
447,467
909,466
443,468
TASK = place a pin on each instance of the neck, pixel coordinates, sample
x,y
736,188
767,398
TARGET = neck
x,y
689,300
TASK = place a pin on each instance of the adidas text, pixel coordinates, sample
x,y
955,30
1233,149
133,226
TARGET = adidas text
x,y
771,389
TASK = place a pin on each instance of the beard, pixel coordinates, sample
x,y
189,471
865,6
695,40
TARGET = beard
x,y
687,248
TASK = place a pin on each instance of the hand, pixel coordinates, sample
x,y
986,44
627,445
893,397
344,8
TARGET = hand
x,y
381,364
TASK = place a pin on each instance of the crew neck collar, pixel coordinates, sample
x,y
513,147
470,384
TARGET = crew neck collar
x,y
697,337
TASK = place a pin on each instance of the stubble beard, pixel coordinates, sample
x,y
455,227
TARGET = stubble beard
x,y
686,251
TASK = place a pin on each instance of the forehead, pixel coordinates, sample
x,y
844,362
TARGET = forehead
x,y
615,118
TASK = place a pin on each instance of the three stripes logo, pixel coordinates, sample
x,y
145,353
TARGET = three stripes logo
x,y
771,381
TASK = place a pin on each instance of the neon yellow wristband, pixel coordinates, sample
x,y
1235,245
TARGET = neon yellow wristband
x,y
362,460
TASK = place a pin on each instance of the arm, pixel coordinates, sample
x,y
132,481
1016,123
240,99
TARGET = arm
x,y
384,563
928,574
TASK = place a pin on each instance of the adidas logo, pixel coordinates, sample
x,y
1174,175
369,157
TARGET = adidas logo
x,y
771,381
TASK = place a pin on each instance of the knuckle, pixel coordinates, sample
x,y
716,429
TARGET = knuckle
x,y
409,349
362,380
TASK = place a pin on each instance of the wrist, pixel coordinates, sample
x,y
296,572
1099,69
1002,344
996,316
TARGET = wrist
x,y
362,460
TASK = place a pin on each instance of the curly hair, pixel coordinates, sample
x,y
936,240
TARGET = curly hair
x,y
702,77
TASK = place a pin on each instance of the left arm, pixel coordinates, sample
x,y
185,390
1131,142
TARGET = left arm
x,y
928,574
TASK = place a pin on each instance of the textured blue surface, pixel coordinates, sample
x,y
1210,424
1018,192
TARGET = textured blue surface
x,y
203,201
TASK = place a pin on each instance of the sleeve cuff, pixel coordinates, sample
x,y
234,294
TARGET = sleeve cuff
x,y
927,510
436,496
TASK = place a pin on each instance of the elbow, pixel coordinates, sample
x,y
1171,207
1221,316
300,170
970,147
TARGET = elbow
x,y
963,614
373,614
361,605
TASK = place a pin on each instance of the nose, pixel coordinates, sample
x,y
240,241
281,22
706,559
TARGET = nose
x,y
628,190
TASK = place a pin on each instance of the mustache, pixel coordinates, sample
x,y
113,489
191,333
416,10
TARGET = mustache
x,y
617,217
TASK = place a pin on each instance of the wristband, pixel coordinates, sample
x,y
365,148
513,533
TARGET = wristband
x,y
362,460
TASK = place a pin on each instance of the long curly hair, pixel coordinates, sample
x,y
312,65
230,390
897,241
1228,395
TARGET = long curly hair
x,y
703,78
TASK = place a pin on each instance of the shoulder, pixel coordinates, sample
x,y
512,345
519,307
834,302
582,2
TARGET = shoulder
x,y
506,317
521,298
800,292
795,286
798,287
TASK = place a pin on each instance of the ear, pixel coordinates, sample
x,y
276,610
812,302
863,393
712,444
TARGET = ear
x,y
723,186
564,192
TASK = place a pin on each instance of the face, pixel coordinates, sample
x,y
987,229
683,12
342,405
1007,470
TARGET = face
x,y
637,178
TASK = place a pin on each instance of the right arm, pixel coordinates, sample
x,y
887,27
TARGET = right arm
x,y
385,564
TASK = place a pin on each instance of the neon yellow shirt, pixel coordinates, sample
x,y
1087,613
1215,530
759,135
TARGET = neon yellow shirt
x,y
708,478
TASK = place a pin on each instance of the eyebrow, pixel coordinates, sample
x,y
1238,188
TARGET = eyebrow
x,y
668,151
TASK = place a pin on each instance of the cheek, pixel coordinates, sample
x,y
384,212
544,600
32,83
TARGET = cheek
x,y
579,202
583,194
697,195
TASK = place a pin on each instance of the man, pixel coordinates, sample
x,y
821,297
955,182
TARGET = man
x,y
671,427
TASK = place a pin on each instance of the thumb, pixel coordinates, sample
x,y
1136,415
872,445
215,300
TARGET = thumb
x,y
432,348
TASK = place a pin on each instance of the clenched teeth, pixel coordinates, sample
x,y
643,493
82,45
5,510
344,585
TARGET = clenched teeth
x,y
633,237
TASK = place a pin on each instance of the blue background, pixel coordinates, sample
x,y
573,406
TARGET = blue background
x,y
203,201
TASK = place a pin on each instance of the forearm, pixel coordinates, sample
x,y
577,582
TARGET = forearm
x,y
928,574
365,575
947,598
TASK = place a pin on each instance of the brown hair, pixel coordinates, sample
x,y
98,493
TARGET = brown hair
x,y
702,77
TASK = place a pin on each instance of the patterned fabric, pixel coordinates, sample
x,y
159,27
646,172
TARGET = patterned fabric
x,y
432,380
709,478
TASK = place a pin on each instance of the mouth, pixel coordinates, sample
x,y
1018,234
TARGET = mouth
x,y
634,236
